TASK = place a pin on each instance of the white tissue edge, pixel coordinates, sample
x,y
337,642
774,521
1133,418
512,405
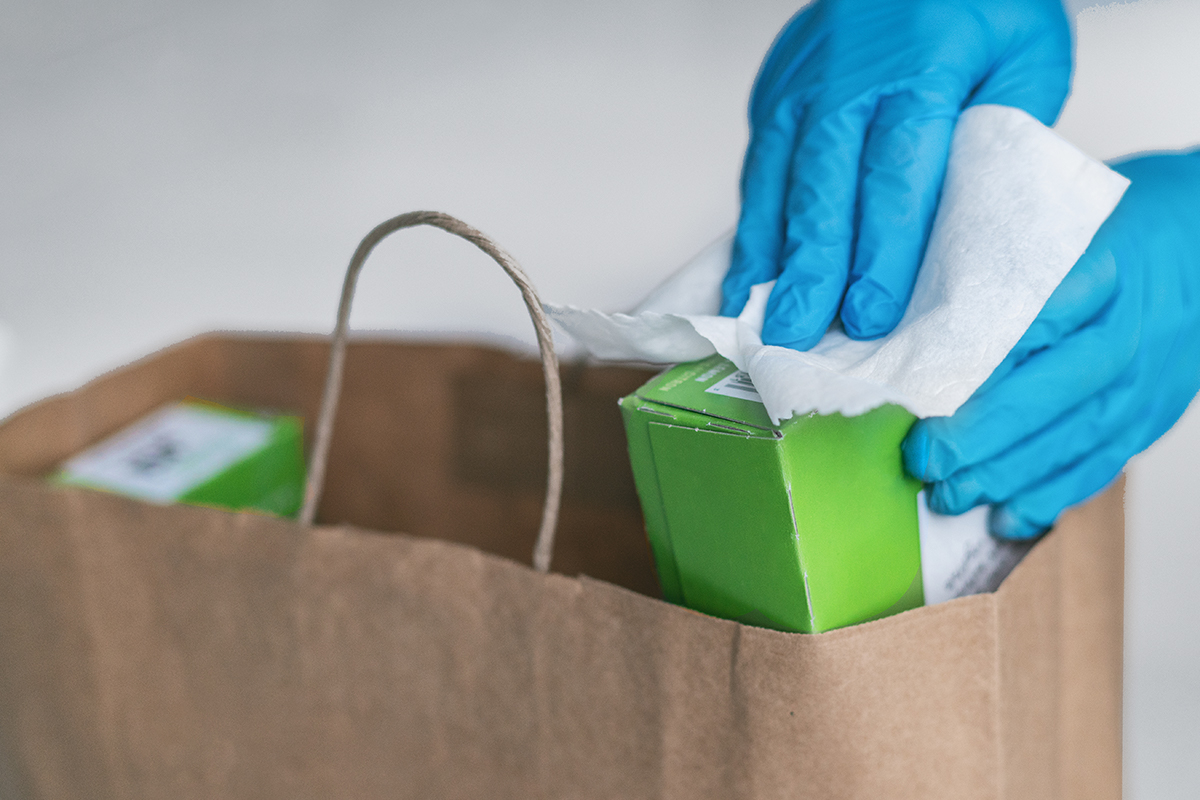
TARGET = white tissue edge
x,y
677,321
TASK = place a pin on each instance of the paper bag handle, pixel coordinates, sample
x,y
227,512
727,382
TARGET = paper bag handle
x,y
337,355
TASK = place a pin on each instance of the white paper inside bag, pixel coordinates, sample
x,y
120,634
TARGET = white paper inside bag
x,y
1019,206
959,558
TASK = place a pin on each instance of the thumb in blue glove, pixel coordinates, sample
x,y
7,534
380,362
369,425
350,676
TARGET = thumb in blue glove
x,y
851,118
1108,366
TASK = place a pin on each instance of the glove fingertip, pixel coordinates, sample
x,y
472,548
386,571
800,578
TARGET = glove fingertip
x,y
796,315
915,449
931,457
748,266
788,333
937,500
732,304
956,495
1004,522
868,312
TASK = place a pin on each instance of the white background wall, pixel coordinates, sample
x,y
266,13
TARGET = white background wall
x,y
170,167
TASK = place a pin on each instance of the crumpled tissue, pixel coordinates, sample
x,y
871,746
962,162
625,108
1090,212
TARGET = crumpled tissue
x,y
1019,206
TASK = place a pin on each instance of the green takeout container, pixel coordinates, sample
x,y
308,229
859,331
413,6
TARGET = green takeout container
x,y
806,526
199,453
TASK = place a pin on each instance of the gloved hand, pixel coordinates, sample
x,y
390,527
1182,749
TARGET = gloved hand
x,y
850,125
1109,365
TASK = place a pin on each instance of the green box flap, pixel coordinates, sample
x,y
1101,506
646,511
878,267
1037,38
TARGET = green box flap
x,y
712,386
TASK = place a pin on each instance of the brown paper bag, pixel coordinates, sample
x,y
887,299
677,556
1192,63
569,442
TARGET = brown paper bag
x,y
181,652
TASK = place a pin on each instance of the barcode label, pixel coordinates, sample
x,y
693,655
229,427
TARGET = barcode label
x,y
169,453
737,385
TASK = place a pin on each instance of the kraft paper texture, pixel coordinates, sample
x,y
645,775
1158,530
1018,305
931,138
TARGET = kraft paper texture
x,y
179,652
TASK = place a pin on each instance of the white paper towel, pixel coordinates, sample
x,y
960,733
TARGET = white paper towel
x,y
1019,206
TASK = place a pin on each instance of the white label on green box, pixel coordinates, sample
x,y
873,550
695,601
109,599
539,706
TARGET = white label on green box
x,y
736,384
168,453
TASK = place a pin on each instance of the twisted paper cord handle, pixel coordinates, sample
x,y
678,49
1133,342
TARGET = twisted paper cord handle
x,y
337,355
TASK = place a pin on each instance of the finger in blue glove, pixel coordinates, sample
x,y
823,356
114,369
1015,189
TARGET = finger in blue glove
x,y
850,125
1110,364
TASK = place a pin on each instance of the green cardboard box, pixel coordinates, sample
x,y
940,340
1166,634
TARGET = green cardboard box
x,y
806,526
202,454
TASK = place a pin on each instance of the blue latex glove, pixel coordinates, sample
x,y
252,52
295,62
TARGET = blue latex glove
x,y
850,125
1107,367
